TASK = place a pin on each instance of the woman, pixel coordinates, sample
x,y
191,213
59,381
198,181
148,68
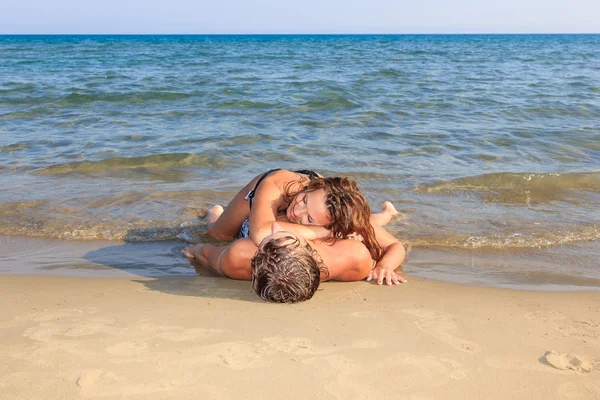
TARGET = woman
x,y
313,206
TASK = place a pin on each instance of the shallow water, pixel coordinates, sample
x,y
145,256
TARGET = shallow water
x,y
481,141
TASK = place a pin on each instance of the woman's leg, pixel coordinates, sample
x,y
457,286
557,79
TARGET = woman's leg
x,y
387,212
213,214
228,223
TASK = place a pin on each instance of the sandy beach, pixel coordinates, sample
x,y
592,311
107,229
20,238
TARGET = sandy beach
x,y
211,338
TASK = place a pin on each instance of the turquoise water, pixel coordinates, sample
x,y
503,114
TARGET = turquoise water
x,y
481,141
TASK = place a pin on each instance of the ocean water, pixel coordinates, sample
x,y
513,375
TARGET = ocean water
x,y
488,145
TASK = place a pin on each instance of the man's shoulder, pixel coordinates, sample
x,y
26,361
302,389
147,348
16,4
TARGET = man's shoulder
x,y
346,259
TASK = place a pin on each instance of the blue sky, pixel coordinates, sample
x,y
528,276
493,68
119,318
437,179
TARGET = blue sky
x,y
300,16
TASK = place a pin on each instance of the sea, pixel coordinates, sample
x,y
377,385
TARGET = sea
x,y
488,145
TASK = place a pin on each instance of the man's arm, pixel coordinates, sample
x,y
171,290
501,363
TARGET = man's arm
x,y
231,261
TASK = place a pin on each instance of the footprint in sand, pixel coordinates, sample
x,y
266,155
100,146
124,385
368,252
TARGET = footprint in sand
x,y
568,361
443,327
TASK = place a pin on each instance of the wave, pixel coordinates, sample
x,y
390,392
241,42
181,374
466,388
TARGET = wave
x,y
133,232
17,87
14,147
387,73
245,104
193,230
135,216
539,239
328,102
78,99
36,112
175,160
131,97
507,187
521,181
149,216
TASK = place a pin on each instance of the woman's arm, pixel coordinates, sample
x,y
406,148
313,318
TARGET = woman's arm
x,y
308,232
265,205
393,256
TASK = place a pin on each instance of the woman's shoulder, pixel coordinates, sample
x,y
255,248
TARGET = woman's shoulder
x,y
283,176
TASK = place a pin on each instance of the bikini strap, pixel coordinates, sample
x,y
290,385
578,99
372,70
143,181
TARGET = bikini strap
x,y
311,174
251,193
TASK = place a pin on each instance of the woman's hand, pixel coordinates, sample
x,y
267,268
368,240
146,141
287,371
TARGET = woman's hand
x,y
390,276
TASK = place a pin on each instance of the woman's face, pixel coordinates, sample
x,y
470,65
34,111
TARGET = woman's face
x,y
309,209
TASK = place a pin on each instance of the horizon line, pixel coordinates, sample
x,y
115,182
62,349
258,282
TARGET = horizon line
x,y
299,34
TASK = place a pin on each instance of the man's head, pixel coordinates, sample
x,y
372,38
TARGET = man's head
x,y
284,269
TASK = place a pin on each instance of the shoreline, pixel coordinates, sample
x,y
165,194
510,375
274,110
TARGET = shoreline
x,y
564,269
188,337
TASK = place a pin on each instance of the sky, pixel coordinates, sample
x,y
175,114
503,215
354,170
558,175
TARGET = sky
x,y
298,16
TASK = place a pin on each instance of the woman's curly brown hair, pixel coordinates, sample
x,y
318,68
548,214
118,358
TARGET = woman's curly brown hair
x,y
350,213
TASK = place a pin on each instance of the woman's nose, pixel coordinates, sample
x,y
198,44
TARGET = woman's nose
x,y
300,211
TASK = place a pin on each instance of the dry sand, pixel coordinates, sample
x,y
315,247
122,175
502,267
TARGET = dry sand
x,y
211,338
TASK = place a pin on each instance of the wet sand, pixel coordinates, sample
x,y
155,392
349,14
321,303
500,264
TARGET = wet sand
x,y
191,337
567,268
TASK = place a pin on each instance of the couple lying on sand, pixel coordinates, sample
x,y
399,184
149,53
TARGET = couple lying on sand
x,y
296,229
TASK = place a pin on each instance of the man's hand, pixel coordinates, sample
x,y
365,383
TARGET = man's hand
x,y
196,255
391,277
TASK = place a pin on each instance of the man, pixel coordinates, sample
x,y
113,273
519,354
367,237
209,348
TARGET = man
x,y
287,268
